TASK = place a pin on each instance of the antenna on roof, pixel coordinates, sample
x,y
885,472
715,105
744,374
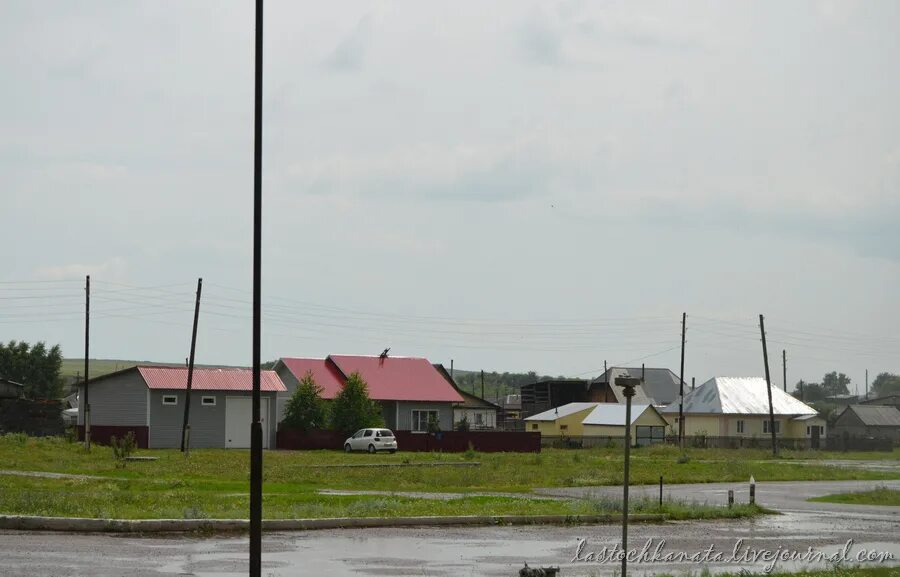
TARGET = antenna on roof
x,y
384,353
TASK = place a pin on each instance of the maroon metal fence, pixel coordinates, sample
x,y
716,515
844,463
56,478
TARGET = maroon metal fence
x,y
101,434
447,441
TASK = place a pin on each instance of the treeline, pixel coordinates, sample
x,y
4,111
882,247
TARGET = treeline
x,y
35,366
834,384
496,385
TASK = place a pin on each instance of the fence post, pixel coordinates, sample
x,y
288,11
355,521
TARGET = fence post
x,y
730,498
752,490
660,491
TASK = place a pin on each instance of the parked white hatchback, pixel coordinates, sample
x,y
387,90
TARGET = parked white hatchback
x,y
371,440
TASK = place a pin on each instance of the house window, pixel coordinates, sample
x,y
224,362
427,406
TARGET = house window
x,y
479,419
534,426
563,427
807,431
740,426
420,419
208,401
170,400
766,426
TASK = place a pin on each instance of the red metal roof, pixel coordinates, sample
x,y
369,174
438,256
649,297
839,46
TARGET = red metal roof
x,y
398,378
209,379
324,373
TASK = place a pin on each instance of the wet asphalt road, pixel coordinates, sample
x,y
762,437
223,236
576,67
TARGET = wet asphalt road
x,y
493,551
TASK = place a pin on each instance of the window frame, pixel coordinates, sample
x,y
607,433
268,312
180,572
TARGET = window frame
x,y
205,398
170,400
740,426
415,419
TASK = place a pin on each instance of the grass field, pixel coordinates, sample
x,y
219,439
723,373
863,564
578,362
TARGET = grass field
x,y
214,483
879,496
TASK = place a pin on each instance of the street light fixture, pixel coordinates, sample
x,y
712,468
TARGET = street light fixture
x,y
628,384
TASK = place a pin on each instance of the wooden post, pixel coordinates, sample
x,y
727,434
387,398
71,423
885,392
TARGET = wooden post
x,y
186,426
762,330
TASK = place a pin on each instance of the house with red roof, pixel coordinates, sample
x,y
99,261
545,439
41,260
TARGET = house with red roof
x,y
149,401
410,389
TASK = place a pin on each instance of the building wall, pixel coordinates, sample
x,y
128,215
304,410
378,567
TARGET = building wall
x,y
727,425
119,401
488,417
798,429
569,425
207,422
290,383
648,418
398,414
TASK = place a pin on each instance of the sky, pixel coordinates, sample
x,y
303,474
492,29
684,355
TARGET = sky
x,y
514,185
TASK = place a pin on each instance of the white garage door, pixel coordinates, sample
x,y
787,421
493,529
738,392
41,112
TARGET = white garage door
x,y
238,416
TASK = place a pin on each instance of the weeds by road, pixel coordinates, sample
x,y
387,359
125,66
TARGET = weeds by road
x,y
879,496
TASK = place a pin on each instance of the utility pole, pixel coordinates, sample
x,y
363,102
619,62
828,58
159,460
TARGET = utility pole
x,y
681,387
784,367
186,427
482,383
867,383
762,330
87,342
693,380
256,454
451,371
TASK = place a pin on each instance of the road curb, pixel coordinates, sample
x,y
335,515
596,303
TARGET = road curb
x,y
84,525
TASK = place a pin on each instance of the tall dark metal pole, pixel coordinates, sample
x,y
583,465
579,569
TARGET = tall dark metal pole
x,y
681,388
867,383
256,456
482,383
186,427
762,330
87,342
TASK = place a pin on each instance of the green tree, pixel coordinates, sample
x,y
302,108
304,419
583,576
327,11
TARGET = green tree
x,y
352,409
36,367
886,384
306,409
835,383
809,392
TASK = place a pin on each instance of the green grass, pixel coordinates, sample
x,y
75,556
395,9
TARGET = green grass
x,y
877,496
214,482
147,499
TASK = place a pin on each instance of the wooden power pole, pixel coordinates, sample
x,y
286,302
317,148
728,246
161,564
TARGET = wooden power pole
x,y
784,367
186,427
762,330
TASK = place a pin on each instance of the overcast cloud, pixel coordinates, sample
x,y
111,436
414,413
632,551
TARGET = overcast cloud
x,y
512,185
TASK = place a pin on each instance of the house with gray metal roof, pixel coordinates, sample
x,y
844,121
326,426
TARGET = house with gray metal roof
x,y
739,407
869,421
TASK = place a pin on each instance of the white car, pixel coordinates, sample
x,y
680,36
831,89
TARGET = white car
x,y
371,440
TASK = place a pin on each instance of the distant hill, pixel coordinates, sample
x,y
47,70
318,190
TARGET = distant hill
x,y
99,367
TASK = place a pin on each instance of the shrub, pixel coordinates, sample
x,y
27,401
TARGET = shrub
x,y
123,448
306,409
462,425
352,409
470,453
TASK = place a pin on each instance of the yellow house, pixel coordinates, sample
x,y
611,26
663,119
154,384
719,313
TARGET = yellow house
x,y
608,420
564,421
739,407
